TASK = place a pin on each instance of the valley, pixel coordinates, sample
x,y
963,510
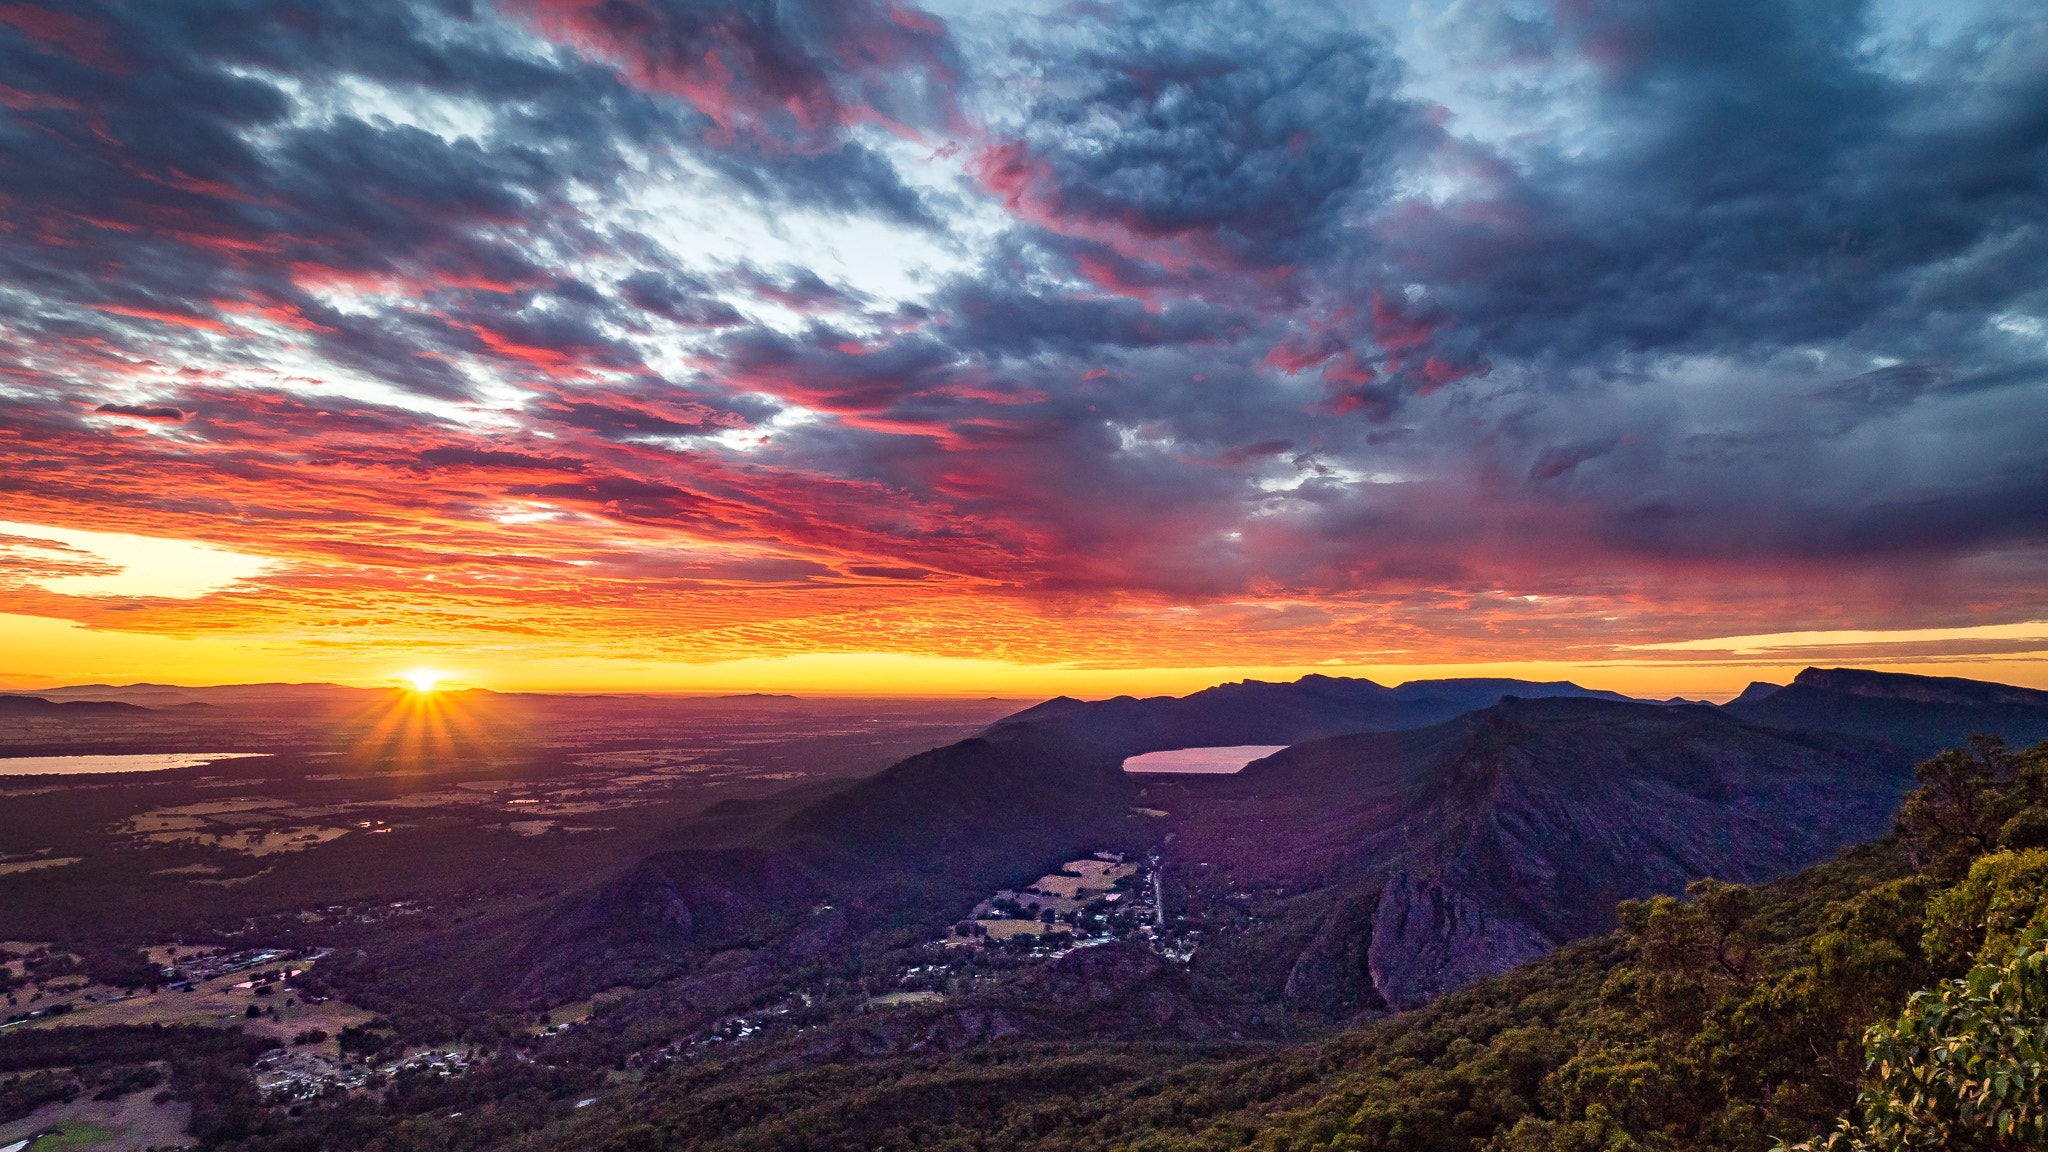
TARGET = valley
x,y
524,923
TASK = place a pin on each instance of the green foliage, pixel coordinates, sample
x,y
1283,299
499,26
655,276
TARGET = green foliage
x,y
1963,1066
122,968
25,1048
21,1095
1969,797
1984,914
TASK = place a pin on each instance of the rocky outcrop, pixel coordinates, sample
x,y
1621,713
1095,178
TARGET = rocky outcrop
x,y
1428,939
1443,855
1333,975
1919,689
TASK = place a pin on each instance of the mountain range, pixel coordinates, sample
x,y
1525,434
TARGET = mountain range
x,y
1409,840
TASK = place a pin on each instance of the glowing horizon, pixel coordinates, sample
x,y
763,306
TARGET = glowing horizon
x,y
886,674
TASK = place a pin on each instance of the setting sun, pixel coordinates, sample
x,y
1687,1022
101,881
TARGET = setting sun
x,y
423,679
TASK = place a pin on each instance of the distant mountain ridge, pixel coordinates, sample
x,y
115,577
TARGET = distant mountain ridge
x,y
1920,714
37,706
1413,860
1259,712
1920,689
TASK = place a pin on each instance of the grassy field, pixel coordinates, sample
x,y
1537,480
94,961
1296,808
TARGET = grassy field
x,y
216,1003
1009,929
131,1124
32,865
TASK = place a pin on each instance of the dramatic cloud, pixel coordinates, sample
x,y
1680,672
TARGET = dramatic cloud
x,y
1141,334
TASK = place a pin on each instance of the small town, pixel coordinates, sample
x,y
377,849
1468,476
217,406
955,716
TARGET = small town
x,y
1109,896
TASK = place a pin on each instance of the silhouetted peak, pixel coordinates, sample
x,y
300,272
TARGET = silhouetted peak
x,y
1919,689
1757,690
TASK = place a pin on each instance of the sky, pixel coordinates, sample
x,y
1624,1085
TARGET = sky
x,y
999,346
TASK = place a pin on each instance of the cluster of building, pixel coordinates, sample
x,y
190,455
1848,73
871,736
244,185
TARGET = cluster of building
x,y
291,1075
183,972
1088,902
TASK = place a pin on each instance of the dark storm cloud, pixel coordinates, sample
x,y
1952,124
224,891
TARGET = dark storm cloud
x,y
1218,122
827,370
1765,185
1769,195
680,299
451,457
613,421
796,73
158,412
998,320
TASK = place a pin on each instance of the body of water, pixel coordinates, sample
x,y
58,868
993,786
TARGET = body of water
x,y
81,765
1212,761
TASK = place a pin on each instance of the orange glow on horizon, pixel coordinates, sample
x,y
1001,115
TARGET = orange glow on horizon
x,y
45,653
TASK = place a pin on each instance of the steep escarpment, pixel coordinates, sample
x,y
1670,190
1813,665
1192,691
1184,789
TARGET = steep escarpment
x,y
1455,852
1920,714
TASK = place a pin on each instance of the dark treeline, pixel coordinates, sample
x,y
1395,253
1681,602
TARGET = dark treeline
x,y
22,1049
107,1063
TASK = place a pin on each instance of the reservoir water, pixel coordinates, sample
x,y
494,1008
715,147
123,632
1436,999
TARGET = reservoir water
x,y
1210,761
80,765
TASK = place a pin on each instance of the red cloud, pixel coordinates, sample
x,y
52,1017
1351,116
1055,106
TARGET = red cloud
x,y
73,33
798,78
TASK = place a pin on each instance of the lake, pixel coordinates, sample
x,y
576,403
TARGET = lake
x,y
81,765
1210,761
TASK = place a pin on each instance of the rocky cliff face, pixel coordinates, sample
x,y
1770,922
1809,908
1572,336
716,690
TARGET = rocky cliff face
x,y
1452,853
1428,938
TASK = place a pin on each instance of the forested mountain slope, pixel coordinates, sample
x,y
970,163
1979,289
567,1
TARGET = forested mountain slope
x,y
1724,1021
1354,874
910,849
